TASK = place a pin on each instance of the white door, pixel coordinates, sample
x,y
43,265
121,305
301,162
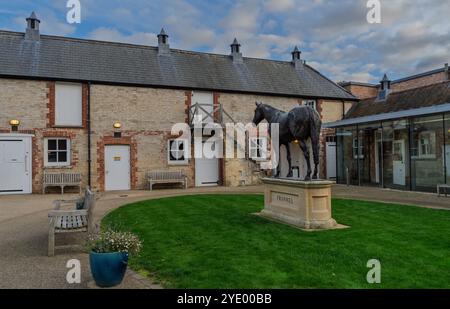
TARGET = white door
x,y
15,165
331,160
206,170
206,101
398,162
117,168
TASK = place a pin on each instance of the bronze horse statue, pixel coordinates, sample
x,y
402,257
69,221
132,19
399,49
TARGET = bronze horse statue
x,y
299,124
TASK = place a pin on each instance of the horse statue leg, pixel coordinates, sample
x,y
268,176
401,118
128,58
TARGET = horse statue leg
x,y
289,159
277,170
315,148
305,150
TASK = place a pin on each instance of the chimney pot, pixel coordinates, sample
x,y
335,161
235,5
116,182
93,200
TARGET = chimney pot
x,y
236,52
163,43
32,31
447,73
296,58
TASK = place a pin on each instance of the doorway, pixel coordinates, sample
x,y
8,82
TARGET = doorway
x,y
15,164
117,168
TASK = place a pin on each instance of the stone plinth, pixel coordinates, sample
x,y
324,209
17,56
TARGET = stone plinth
x,y
304,204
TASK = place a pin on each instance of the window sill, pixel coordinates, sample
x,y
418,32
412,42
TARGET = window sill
x,y
178,163
55,167
424,158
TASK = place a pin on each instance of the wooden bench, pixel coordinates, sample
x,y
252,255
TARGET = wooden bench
x,y
156,177
445,187
61,180
71,220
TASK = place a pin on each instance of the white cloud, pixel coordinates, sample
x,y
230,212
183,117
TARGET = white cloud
x,y
334,36
279,5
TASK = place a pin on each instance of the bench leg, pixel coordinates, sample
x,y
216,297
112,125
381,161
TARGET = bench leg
x,y
51,241
151,186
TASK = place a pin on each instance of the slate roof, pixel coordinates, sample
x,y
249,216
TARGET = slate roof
x,y
426,96
107,62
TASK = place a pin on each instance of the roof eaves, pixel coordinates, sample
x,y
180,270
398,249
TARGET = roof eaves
x,y
435,109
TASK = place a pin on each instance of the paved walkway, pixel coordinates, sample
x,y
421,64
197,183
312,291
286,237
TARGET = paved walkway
x,y
24,231
429,200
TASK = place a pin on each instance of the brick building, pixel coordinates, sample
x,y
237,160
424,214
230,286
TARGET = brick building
x,y
398,135
82,106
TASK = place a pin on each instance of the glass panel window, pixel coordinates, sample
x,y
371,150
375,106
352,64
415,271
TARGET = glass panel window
x,y
258,148
358,152
347,164
395,153
447,147
177,151
57,152
427,148
369,138
310,103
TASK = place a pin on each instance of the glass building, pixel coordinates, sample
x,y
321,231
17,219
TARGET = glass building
x,y
398,140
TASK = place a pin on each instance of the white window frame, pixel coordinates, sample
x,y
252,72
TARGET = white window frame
x,y
430,137
68,121
358,152
255,144
185,161
68,150
310,103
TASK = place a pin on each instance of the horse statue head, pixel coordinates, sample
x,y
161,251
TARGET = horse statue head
x,y
259,113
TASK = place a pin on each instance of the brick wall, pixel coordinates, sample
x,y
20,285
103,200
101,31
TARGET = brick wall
x,y
419,82
362,92
146,115
32,102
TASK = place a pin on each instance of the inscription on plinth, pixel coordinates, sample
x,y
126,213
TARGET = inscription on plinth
x,y
305,204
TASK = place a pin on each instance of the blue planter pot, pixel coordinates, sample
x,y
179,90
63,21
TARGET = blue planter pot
x,y
108,269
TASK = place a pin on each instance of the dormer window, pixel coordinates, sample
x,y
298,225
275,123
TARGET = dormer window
x,y
385,88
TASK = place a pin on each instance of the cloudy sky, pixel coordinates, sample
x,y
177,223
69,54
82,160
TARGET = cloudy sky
x,y
333,35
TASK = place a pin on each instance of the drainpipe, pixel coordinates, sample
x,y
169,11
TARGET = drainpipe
x,y
89,132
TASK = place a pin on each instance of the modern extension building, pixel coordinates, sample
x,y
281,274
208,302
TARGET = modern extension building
x,y
105,110
398,135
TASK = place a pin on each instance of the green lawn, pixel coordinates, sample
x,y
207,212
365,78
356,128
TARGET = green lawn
x,y
214,241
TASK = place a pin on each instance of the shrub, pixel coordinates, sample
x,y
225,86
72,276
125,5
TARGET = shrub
x,y
112,241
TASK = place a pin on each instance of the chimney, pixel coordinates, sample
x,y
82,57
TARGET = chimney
x,y
236,52
296,58
447,73
32,32
385,88
163,43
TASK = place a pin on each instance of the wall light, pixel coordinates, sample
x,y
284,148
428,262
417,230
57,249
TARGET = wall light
x,y
14,122
296,141
117,125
